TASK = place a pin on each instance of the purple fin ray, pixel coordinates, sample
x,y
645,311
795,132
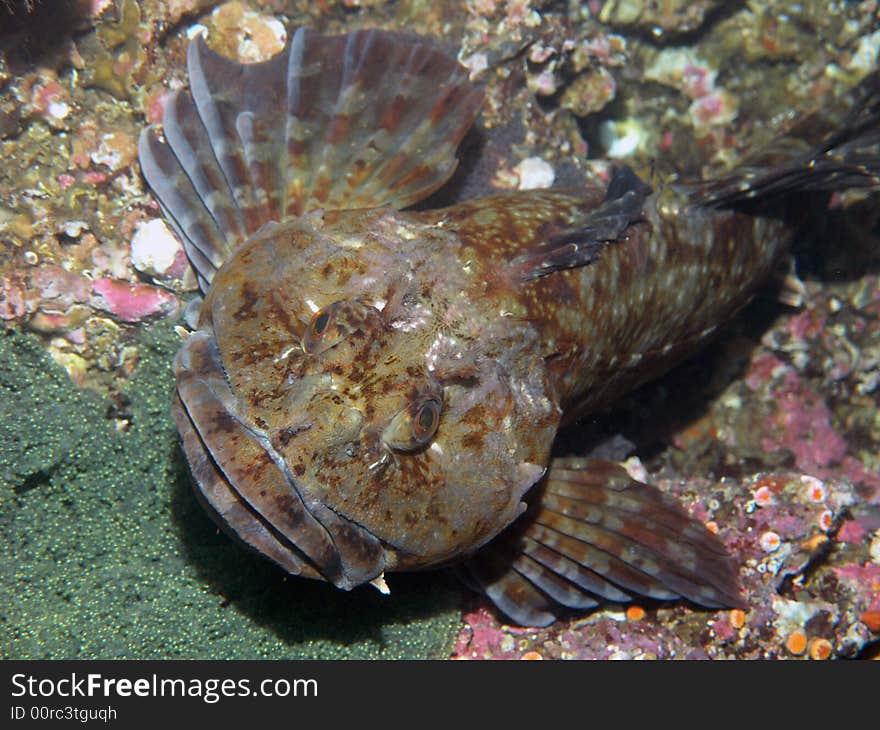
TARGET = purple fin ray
x,y
581,243
834,148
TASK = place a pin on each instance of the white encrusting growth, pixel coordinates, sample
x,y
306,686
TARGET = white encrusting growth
x,y
443,348
533,173
418,316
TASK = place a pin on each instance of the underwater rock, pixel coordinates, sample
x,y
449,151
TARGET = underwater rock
x,y
132,302
158,253
244,34
658,16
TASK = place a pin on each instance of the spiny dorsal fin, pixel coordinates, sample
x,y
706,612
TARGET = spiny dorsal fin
x,y
361,120
834,148
582,242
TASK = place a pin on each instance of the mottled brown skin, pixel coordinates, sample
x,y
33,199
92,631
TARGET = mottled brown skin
x,y
648,301
440,309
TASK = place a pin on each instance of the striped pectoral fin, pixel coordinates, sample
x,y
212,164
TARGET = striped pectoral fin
x,y
229,509
593,533
244,483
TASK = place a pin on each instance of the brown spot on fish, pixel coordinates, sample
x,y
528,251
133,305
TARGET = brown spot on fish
x,y
286,434
224,422
250,296
473,440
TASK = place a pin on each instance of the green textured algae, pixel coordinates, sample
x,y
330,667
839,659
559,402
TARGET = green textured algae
x,y
106,553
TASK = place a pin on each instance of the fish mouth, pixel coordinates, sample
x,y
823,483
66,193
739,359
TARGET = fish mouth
x,y
246,485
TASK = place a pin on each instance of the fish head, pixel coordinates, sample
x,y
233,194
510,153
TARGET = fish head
x,y
375,440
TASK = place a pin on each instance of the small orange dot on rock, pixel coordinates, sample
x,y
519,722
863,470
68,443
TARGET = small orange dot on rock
x,y
737,618
820,649
763,496
796,642
871,619
531,656
635,613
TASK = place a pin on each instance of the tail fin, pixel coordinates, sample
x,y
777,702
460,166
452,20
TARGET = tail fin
x,y
832,149
354,121
594,534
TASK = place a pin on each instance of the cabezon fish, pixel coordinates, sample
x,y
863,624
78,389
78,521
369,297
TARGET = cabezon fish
x,y
368,389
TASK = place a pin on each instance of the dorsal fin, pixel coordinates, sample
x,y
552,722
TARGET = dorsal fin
x,y
361,120
581,243
834,148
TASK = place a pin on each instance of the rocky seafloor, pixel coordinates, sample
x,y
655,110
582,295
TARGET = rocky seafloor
x,y
771,436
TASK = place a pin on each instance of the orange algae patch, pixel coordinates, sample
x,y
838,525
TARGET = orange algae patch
x,y
814,543
635,613
531,656
737,618
796,643
820,649
871,619
712,527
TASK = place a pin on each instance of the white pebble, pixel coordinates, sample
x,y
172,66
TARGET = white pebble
x,y
154,248
73,229
864,60
475,64
58,109
622,138
533,172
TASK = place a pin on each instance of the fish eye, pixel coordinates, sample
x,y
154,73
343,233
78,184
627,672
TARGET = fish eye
x,y
424,425
414,426
330,325
324,330
320,322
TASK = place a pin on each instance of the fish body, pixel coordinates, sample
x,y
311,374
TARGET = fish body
x,y
369,389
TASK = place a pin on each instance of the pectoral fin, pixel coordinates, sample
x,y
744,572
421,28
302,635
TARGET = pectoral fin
x,y
592,533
